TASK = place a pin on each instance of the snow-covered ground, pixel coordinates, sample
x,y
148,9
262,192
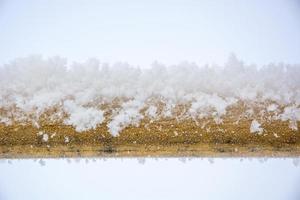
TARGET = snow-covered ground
x,y
80,94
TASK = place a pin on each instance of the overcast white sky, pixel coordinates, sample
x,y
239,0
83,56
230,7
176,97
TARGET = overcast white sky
x,y
139,32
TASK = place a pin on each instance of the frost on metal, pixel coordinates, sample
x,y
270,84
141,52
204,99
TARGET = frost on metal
x,y
86,95
255,127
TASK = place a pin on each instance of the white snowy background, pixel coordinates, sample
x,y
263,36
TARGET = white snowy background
x,y
150,178
140,31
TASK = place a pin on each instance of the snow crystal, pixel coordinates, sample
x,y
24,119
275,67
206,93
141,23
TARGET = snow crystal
x,y
67,139
40,133
255,127
128,115
82,118
5,120
152,111
272,108
292,114
45,137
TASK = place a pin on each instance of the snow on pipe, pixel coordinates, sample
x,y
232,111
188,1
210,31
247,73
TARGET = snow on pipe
x,y
30,86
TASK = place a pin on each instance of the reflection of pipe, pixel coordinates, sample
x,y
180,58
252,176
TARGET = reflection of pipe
x,y
144,159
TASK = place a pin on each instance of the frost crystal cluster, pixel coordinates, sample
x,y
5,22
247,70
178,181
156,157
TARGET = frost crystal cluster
x,y
86,95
